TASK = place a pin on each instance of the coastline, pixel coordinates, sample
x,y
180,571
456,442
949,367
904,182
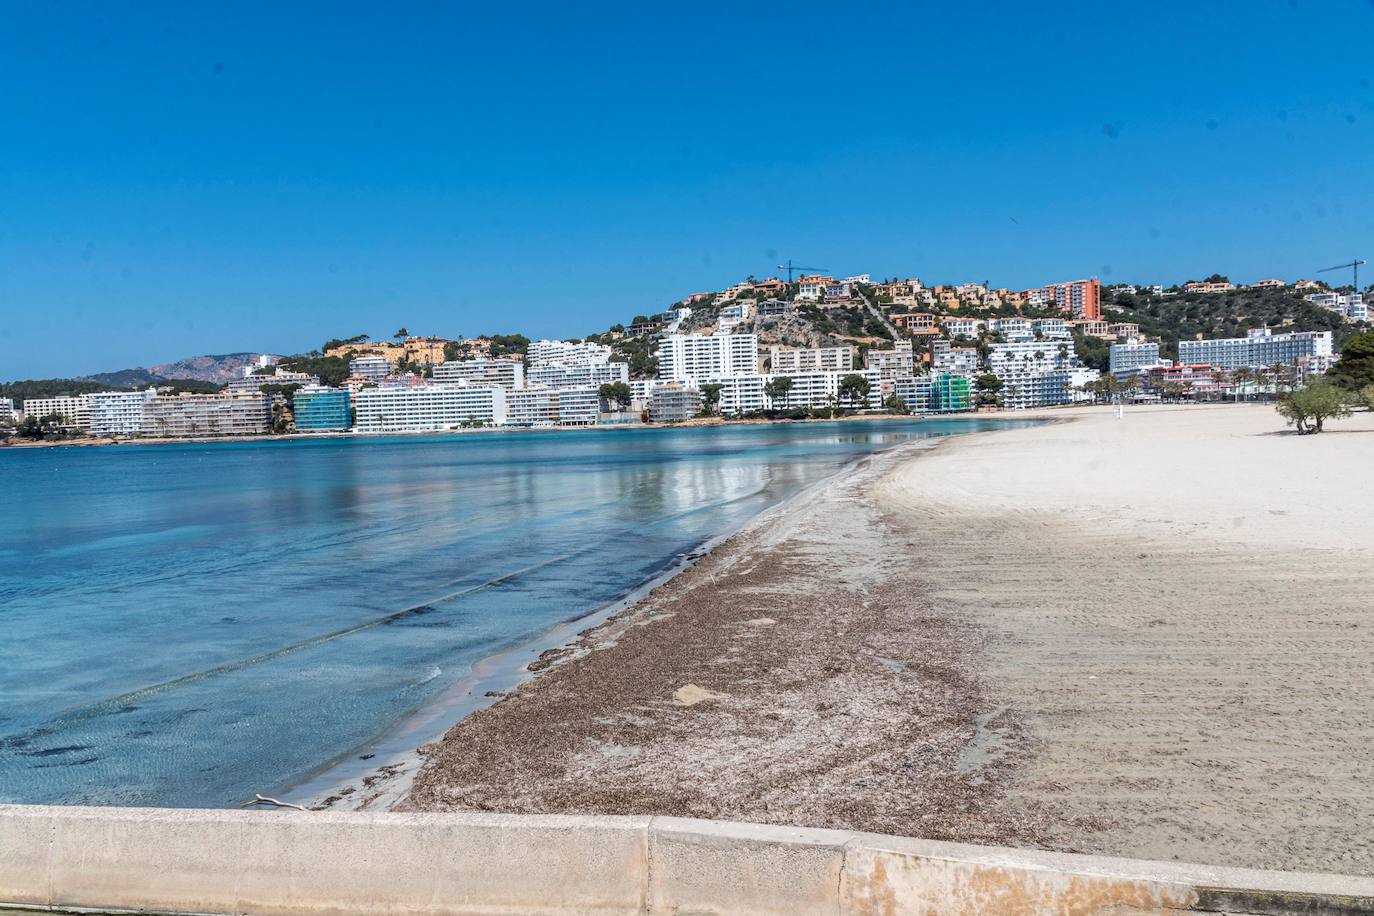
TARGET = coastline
x,y
105,441
707,698
379,774
1050,637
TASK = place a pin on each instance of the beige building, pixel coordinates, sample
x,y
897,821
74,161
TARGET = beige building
x,y
207,415
427,351
818,359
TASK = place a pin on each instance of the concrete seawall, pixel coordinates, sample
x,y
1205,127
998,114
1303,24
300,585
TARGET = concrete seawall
x,y
288,863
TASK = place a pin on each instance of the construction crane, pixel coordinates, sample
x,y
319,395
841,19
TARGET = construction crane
x,y
1353,265
791,268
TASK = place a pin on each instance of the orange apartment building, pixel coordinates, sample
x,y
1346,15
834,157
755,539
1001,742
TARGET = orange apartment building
x,y
1080,298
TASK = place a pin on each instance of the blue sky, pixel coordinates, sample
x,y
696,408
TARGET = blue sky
x,y
178,179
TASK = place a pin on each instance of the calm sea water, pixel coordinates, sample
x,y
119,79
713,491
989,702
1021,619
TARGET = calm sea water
x,y
187,625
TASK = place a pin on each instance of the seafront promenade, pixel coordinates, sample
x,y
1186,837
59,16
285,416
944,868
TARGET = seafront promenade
x,y
303,864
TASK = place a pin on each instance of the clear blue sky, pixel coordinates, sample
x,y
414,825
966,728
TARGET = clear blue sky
x,y
177,179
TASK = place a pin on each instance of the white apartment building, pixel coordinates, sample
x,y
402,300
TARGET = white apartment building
x,y
865,279
1356,309
955,360
374,368
784,360
251,384
594,375
7,411
76,411
118,412
1132,354
694,357
578,407
418,408
899,362
566,353
496,373
747,393
1351,305
963,327
673,403
532,407
1034,373
822,389
737,311
914,391
1013,329
811,289
1052,328
1260,348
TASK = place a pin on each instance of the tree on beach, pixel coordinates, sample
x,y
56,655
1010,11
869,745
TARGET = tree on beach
x,y
777,389
617,394
710,397
1309,407
988,385
854,390
1355,369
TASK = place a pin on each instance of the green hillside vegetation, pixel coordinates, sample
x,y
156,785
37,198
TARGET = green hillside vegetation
x,y
331,370
1186,316
66,387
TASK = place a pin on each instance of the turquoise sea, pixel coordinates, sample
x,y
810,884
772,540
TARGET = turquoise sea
x,y
187,625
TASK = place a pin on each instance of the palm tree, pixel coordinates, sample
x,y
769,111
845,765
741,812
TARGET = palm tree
x,y
1240,378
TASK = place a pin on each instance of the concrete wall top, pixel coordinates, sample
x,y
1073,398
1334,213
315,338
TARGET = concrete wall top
x,y
295,863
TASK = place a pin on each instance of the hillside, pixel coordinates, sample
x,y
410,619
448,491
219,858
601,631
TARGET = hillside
x,y
1188,316
218,369
22,390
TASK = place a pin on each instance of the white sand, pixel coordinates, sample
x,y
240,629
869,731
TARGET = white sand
x,y
1233,471
1181,605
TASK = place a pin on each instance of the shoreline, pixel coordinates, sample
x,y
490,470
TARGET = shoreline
x,y
380,773
1083,637
696,423
650,714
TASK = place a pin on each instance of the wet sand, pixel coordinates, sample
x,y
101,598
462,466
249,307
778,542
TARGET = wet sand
x,y
1144,637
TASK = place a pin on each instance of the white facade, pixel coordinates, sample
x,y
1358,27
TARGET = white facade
x,y
748,393
899,362
1034,373
1014,329
578,407
1052,328
372,367
1133,354
914,391
532,407
498,373
118,411
694,357
951,359
251,384
75,410
1260,348
564,353
579,376
417,408
963,327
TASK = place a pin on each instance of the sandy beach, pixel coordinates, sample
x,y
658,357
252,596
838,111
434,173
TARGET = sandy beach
x,y
1144,636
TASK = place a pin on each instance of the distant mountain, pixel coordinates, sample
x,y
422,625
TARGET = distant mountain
x,y
218,369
